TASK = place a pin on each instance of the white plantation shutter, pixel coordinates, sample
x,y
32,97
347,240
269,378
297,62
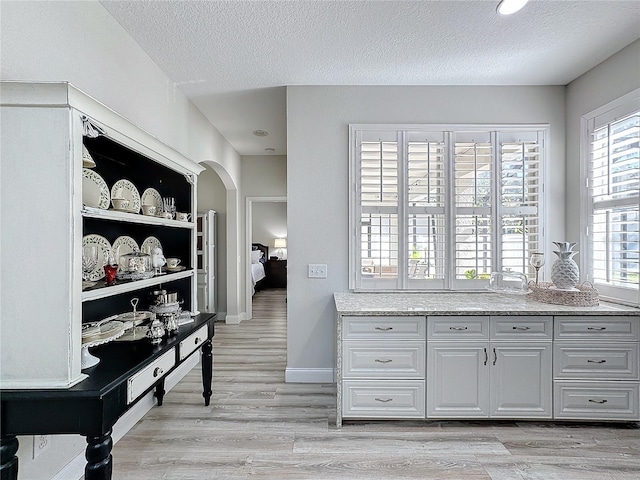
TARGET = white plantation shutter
x,y
520,199
614,186
433,208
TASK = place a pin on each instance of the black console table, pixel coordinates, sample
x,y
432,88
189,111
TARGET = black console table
x,y
127,371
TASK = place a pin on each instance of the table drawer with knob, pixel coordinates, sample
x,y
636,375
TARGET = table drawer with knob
x,y
192,342
596,401
380,399
383,328
602,361
141,381
389,360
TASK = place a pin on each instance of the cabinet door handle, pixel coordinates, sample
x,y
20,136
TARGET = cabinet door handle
x,y
597,361
384,329
495,356
196,341
457,328
597,328
486,355
157,371
384,400
522,328
597,401
388,360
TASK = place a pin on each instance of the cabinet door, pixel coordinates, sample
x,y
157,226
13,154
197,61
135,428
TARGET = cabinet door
x,y
457,379
521,380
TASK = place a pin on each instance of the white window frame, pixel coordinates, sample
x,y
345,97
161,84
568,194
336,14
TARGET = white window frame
x,y
450,282
616,109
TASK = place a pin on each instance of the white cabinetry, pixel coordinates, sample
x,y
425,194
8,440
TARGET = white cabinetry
x,y
497,367
42,303
596,368
206,260
383,367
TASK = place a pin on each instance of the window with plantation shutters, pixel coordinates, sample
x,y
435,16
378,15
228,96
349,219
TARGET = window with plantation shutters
x,y
613,192
441,208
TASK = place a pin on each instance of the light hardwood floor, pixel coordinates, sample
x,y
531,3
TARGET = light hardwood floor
x,y
260,427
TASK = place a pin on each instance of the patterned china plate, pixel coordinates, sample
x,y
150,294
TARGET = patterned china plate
x,y
149,244
95,192
125,189
123,245
152,197
104,247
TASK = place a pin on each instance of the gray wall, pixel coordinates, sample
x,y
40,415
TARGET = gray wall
x,y
212,196
616,76
317,171
269,223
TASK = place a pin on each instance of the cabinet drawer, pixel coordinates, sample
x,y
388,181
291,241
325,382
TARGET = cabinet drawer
x,y
603,361
463,327
596,401
192,342
387,327
391,399
368,360
525,327
141,381
592,327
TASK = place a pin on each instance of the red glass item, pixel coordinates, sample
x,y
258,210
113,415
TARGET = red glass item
x,y
110,274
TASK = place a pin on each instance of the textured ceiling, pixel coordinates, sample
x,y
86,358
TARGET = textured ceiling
x,y
233,58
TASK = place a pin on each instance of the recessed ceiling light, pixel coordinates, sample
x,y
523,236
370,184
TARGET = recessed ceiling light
x,y
507,7
269,149
260,133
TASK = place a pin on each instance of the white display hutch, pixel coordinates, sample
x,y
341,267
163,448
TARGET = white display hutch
x,y
43,221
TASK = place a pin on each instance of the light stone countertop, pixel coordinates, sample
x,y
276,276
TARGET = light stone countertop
x,y
457,303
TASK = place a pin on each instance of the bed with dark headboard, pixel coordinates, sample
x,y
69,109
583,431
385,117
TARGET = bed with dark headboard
x,y
258,259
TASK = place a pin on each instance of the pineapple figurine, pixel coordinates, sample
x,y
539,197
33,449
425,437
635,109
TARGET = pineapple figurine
x,y
564,272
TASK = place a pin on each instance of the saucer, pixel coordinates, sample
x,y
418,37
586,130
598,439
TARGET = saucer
x,y
179,268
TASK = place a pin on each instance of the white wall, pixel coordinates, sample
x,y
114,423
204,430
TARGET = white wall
x,y
317,171
81,43
611,79
269,223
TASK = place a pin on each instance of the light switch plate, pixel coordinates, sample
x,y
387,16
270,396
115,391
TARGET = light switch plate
x,y
317,270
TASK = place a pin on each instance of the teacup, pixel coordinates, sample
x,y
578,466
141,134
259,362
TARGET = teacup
x,y
149,210
173,262
120,203
183,217
167,215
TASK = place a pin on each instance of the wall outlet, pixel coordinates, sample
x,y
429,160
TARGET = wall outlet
x,y
317,270
40,444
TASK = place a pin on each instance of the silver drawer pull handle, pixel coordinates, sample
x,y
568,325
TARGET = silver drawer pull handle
x,y
597,401
384,400
388,360
596,328
157,371
596,361
457,328
522,328
384,329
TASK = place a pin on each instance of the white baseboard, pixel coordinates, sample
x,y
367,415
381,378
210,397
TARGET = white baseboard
x,y
221,316
308,375
234,319
75,468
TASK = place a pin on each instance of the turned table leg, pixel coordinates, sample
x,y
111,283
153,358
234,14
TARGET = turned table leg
x,y
99,460
159,393
207,371
9,465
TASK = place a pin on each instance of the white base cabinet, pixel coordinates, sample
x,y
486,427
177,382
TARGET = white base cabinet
x,y
493,378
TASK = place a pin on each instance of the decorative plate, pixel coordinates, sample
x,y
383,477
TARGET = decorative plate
x,y
152,197
125,189
95,192
104,333
123,245
104,247
149,244
137,320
